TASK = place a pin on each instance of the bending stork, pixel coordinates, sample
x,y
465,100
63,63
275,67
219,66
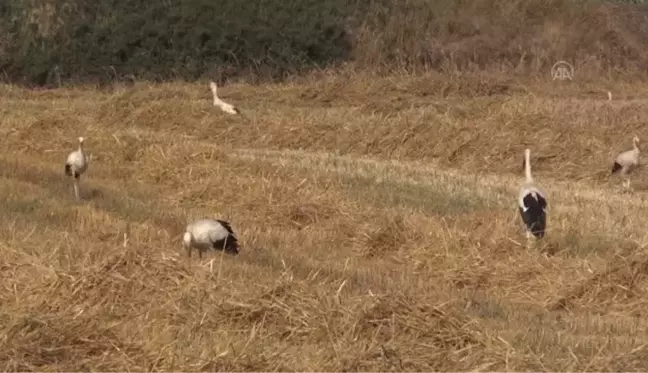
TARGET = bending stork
x,y
627,161
206,234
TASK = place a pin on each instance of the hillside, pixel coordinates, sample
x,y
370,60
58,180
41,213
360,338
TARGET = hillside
x,y
67,42
377,218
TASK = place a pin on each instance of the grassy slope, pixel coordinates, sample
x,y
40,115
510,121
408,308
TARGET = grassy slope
x,y
377,218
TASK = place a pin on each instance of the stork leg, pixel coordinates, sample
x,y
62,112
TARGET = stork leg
x,y
624,175
529,238
76,189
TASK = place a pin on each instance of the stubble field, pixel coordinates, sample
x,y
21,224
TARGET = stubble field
x,y
377,218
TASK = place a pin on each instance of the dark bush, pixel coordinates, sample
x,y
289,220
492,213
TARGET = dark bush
x,y
174,39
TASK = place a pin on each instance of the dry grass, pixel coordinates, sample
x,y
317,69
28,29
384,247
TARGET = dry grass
x,y
377,218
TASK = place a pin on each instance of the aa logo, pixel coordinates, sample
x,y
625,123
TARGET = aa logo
x,y
562,70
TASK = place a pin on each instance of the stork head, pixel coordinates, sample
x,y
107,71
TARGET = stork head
x,y
213,87
635,139
231,247
81,140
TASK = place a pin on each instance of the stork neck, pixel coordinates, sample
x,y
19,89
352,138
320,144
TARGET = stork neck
x,y
214,93
527,168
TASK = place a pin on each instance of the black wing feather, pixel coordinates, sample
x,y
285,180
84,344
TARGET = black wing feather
x,y
616,167
230,243
226,225
535,217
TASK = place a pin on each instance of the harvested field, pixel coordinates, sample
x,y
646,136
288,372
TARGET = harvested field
x,y
377,218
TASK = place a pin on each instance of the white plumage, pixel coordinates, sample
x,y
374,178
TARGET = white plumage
x,y
75,165
206,234
627,160
220,103
532,203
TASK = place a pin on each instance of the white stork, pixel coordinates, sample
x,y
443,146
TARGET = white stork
x,y
75,165
627,160
220,103
206,234
532,203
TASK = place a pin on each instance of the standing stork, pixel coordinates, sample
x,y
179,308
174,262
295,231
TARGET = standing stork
x,y
532,203
626,161
206,234
220,103
75,165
